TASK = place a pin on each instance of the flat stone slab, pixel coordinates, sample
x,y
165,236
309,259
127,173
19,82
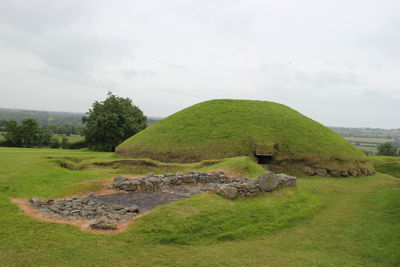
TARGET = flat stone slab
x,y
148,200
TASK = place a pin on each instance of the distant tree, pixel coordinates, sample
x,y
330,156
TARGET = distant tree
x,y
387,149
112,121
27,134
12,134
64,142
31,133
45,136
54,142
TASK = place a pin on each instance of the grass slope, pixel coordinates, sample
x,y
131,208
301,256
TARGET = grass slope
x,y
229,128
388,165
324,221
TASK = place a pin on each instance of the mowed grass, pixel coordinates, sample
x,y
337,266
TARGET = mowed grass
x,y
229,128
324,221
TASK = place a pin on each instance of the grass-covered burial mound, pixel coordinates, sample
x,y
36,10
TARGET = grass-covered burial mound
x,y
268,132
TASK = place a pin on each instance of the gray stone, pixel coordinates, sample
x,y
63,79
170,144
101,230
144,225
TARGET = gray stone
x,y
268,181
133,208
103,224
309,171
321,172
228,191
335,173
118,180
353,172
286,180
37,202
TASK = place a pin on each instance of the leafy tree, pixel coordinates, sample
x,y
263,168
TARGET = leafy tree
x,y
28,134
387,149
13,134
45,136
64,142
31,133
54,142
112,121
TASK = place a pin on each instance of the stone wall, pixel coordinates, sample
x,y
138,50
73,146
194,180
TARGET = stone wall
x,y
229,187
311,171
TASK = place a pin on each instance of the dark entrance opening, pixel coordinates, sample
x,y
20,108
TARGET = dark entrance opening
x,y
263,159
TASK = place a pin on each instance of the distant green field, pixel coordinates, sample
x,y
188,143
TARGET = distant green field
x,y
369,140
368,144
72,138
322,222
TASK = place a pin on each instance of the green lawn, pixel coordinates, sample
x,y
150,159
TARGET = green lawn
x,y
324,221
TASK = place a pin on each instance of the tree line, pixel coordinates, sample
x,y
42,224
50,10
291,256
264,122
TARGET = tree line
x,y
28,133
388,149
106,125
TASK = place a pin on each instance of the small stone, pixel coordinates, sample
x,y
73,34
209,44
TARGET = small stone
x,y
118,180
103,224
133,208
228,191
309,171
352,172
334,173
321,172
268,181
37,202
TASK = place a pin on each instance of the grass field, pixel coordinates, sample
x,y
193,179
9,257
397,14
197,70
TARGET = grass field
x,y
322,222
368,144
72,138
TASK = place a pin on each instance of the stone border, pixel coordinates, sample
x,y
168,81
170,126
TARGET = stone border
x,y
317,171
230,188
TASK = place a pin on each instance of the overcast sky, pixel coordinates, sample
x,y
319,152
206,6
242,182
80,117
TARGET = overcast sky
x,y
337,62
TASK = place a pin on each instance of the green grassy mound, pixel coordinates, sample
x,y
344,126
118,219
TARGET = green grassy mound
x,y
209,217
388,165
229,128
243,166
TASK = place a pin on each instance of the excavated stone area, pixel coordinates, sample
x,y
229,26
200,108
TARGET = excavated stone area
x,y
228,187
140,195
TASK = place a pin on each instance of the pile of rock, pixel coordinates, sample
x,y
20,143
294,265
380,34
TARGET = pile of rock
x,y
311,171
224,185
152,182
105,215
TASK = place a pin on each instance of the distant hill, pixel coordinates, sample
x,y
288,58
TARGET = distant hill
x,y
43,117
50,117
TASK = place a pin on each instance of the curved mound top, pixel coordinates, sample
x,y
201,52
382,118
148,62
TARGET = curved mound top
x,y
227,128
